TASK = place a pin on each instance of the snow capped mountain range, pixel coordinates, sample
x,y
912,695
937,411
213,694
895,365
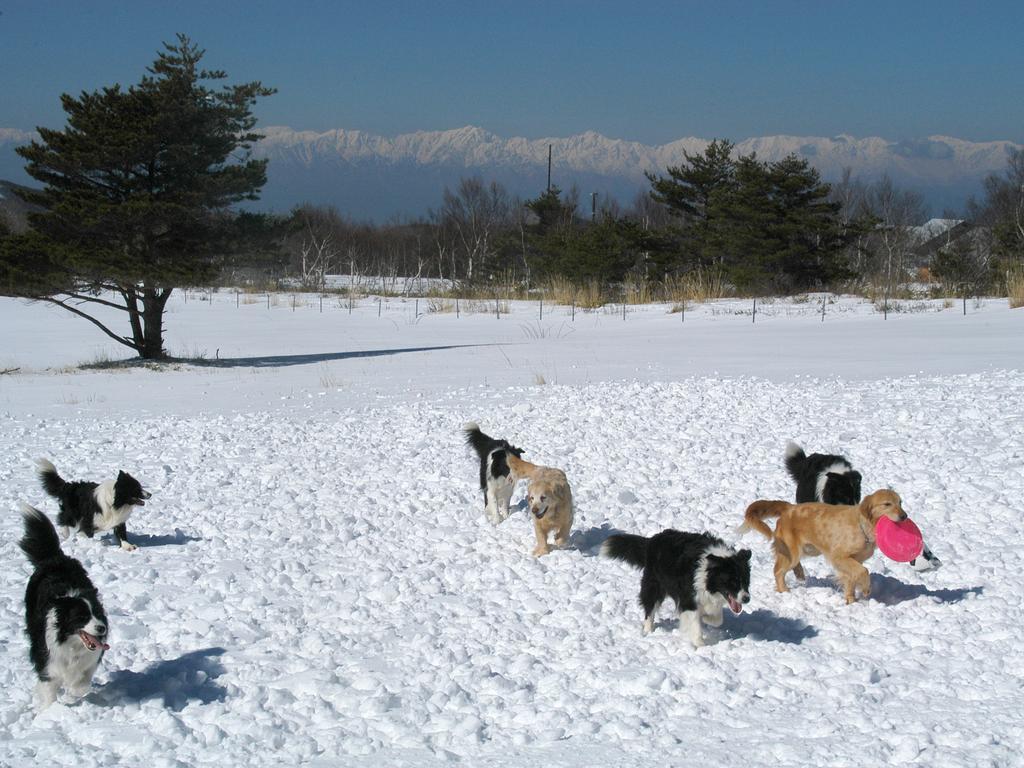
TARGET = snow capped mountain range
x,y
937,157
371,176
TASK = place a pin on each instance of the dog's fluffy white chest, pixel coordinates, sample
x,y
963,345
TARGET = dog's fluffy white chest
x,y
70,662
109,516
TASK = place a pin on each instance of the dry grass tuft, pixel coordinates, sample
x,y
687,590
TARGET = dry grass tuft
x,y
327,378
483,306
561,290
636,290
1015,287
439,306
700,287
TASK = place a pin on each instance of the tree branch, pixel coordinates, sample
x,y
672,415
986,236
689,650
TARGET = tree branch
x,y
95,300
119,339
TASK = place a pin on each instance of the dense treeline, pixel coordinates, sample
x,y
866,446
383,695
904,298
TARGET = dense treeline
x,y
735,222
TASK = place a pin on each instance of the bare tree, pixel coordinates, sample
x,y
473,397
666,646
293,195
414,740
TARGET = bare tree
x,y
897,212
444,247
855,218
1003,208
474,213
318,246
648,212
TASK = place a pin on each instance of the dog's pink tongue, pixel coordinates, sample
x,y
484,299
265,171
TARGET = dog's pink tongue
x,y
92,642
734,604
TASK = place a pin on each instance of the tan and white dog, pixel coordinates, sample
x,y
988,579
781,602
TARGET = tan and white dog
x,y
550,500
844,534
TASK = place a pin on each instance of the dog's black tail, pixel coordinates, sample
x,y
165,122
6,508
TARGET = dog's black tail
x,y
40,542
478,441
53,483
795,458
627,547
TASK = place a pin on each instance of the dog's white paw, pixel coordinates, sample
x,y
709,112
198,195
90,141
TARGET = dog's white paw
x,y
922,563
713,621
128,547
45,694
79,691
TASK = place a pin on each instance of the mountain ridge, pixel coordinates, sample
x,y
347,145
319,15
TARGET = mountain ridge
x,y
368,175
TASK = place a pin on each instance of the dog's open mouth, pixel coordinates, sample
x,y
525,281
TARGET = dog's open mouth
x,y
539,513
92,642
734,604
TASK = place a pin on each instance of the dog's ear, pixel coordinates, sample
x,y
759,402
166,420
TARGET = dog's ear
x,y
121,474
743,554
868,507
865,505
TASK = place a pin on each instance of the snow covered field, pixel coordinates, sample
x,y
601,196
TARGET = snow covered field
x,y
315,582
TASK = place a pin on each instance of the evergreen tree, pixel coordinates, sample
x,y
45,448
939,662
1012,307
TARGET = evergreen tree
x,y
604,251
693,193
809,239
551,211
763,225
550,235
689,188
741,230
137,194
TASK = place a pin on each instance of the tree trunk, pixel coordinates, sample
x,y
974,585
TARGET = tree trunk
x,y
151,345
131,302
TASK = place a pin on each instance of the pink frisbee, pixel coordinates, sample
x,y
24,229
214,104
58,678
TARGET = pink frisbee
x,y
901,542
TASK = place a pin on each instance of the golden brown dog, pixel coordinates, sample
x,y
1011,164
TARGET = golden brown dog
x,y
845,535
550,501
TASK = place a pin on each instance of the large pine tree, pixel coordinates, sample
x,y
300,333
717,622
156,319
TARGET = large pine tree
x,y
811,243
694,193
762,225
137,195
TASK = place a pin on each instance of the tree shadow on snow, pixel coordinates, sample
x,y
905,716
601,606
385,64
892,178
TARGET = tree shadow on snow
x,y
766,626
589,542
177,681
179,537
890,591
281,361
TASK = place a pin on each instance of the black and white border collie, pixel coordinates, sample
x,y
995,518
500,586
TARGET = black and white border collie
x,y
831,479
90,507
821,477
497,480
64,619
697,570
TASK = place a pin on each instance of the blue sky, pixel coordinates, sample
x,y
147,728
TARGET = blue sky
x,y
650,72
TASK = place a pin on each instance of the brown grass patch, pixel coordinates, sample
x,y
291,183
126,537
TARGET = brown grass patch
x,y
700,287
1015,287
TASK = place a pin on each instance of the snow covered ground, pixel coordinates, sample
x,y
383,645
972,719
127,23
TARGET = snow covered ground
x,y
315,582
